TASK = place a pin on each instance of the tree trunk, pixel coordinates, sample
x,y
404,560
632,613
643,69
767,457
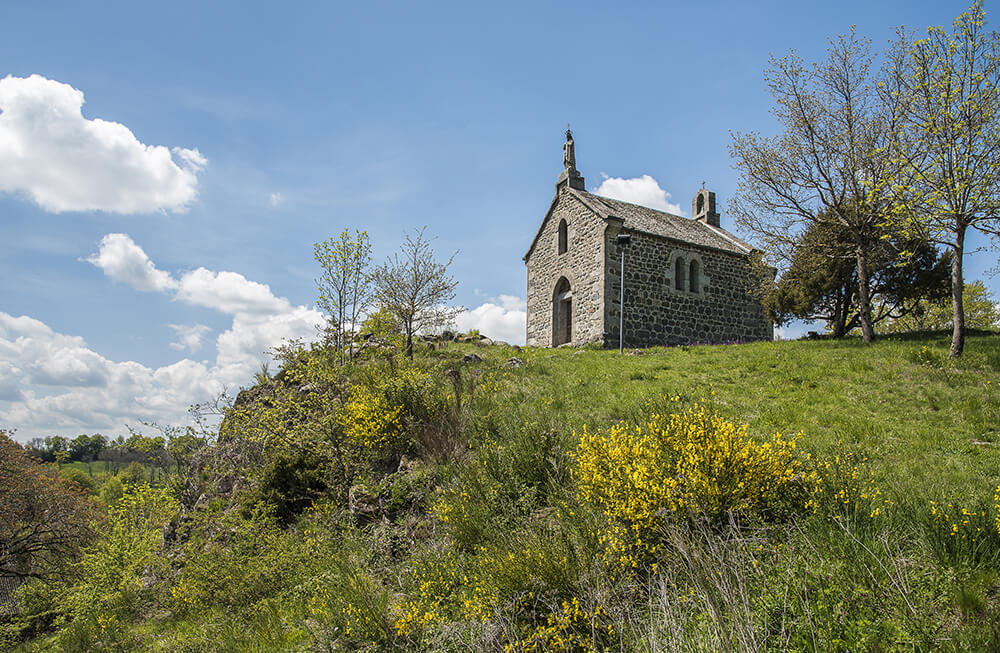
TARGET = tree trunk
x,y
840,314
957,288
864,297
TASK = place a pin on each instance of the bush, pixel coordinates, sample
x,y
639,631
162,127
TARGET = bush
x,y
81,478
112,491
369,422
291,482
690,464
111,572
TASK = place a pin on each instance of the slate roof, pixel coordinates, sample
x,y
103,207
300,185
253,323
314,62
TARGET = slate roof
x,y
641,218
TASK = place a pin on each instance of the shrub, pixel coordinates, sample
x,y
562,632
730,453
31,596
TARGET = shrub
x,y
369,421
82,479
112,491
693,463
133,474
292,480
113,569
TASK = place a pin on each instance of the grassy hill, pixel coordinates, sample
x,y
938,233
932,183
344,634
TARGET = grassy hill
x,y
537,504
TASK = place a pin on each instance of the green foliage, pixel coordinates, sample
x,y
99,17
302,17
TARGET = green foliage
x,y
494,547
291,482
112,490
110,589
80,478
344,288
133,474
981,312
382,324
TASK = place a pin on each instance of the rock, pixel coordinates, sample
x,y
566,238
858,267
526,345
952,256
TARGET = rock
x,y
514,362
472,358
361,502
484,342
407,464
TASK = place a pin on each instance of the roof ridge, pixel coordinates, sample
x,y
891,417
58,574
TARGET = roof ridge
x,y
641,206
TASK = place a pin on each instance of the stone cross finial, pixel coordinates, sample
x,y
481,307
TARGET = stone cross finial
x,y
569,156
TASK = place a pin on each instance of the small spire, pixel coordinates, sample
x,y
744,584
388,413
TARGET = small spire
x,y
570,176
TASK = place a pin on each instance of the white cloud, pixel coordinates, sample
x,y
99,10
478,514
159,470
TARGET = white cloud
x,y
123,260
275,199
643,190
64,387
65,162
51,383
188,336
229,292
501,319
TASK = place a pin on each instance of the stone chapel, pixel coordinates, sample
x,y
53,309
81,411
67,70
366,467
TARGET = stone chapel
x,y
687,281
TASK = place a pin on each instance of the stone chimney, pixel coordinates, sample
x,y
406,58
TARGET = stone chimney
x,y
570,175
703,208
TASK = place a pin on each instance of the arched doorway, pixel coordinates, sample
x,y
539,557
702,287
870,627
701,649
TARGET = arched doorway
x,y
562,313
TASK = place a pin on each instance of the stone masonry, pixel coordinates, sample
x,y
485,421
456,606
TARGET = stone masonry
x,y
687,281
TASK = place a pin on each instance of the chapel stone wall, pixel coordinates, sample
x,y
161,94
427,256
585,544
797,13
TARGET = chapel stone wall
x,y
582,265
721,309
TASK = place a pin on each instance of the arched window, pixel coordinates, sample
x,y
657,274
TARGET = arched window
x,y
563,237
562,313
701,204
680,274
694,276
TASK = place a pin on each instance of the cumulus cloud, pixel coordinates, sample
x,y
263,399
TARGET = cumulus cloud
x,y
503,318
229,292
124,261
188,336
275,199
643,190
53,383
64,387
65,162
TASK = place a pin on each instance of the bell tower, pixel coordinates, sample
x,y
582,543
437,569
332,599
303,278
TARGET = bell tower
x,y
703,207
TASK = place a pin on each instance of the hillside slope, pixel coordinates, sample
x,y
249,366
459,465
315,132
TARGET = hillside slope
x,y
807,495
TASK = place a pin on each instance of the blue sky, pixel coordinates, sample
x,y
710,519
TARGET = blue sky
x,y
279,125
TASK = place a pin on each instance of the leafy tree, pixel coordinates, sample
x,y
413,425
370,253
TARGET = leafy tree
x,y
182,446
821,281
947,86
415,287
44,519
981,312
86,448
345,287
826,167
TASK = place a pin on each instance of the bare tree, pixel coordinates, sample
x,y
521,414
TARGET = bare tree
x,y
948,143
415,288
827,167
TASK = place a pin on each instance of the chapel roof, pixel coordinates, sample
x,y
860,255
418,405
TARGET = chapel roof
x,y
660,223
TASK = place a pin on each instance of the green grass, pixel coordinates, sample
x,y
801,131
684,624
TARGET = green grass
x,y
925,427
931,428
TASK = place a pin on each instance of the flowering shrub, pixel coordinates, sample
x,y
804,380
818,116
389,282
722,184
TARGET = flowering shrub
x,y
964,536
694,462
369,421
844,485
530,589
996,504
112,571
570,628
